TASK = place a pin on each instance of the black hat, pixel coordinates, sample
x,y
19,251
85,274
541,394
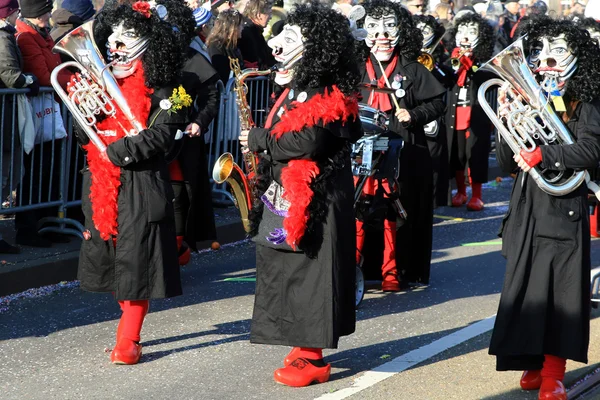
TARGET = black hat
x,y
35,8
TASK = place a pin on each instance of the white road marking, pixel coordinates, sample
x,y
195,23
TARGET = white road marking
x,y
411,359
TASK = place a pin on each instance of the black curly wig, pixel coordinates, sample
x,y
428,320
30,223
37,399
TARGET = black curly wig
x,y
168,40
487,38
328,57
410,38
584,84
587,23
438,32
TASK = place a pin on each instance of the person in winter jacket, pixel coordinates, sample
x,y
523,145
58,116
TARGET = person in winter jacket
x,y
223,42
11,76
254,48
69,16
543,317
130,248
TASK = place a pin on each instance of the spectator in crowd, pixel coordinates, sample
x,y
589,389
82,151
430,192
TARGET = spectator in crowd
x,y
11,77
444,13
578,7
69,16
35,43
218,6
480,6
194,216
415,7
255,51
512,16
223,42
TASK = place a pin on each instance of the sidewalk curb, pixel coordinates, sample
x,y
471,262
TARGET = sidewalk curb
x,y
63,267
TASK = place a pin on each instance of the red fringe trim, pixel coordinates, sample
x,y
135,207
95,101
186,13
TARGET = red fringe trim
x,y
106,177
321,108
296,179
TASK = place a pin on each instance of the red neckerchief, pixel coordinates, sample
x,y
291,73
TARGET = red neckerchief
x,y
466,63
276,108
378,100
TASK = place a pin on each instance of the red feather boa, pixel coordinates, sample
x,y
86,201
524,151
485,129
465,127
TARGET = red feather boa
x,y
106,177
298,175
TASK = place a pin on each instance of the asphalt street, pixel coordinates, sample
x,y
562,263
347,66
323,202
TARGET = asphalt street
x,y
196,346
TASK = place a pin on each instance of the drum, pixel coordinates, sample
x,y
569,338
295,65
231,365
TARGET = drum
x,y
366,151
373,120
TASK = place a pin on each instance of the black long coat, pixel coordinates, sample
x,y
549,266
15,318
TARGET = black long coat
x,y
144,264
201,78
423,99
545,302
300,300
479,141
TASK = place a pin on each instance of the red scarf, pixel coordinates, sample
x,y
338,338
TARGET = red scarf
x,y
466,63
378,100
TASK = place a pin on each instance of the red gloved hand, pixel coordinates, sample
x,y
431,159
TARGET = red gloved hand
x,y
532,159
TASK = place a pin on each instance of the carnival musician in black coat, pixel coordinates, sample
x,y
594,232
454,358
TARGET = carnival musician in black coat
x,y
194,215
391,47
435,131
544,311
130,248
303,224
468,128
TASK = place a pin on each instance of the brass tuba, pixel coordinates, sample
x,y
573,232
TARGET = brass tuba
x,y
95,90
225,169
531,121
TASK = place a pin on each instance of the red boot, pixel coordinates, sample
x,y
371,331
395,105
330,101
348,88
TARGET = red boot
x,y
300,352
531,380
553,374
360,241
475,204
460,197
388,269
302,373
183,251
128,350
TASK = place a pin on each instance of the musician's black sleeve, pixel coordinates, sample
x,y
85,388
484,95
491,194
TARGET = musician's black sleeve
x,y
585,153
309,143
429,93
208,103
428,111
504,156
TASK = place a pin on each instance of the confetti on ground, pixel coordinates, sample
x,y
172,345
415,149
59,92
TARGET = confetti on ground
x,y
492,243
251,279
383,357
450,218
33,293
223,246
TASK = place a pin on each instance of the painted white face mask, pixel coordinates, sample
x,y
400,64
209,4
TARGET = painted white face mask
x,y
595,35
467,35
125,48
288,48
553,60
428,34
382,35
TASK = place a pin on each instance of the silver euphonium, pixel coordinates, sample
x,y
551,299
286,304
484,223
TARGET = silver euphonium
x,y
95,91
530,120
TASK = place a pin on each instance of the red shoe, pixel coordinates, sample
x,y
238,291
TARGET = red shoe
x,y
184,255
302,373
292,355
390,283
475,204
459,199
531,380
552,389
126,352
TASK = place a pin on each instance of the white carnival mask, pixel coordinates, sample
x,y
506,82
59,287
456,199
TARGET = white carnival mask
x,y
288,48
428,34
382,35
467,35
553,60
595,35
125,48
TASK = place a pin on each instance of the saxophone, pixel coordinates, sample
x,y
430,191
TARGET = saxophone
x,y
226,170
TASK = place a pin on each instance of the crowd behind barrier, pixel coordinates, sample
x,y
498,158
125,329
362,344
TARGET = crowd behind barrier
x,y
63,191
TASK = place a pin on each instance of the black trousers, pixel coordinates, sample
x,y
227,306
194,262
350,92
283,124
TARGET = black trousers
x,y
438,149
473,151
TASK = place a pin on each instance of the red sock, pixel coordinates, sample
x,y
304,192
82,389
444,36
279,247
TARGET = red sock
x,y
554,367
389,249
460,182
476,187
311,354
132,319
360,240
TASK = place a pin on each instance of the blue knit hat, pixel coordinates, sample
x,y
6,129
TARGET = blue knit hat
x,y
84,9
202,16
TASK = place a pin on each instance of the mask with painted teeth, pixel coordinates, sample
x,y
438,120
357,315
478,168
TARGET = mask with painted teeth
x,y
382,35
125,48
553,60
288,48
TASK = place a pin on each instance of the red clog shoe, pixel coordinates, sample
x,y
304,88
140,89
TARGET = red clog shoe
x,y
475,204
292,355
302,373
531,380
552,389
390,283
126,352
459,199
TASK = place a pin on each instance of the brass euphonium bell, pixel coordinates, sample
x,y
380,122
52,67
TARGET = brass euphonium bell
x,y
96,91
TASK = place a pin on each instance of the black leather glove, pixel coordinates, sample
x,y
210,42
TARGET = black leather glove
x,y
82,138
34,88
